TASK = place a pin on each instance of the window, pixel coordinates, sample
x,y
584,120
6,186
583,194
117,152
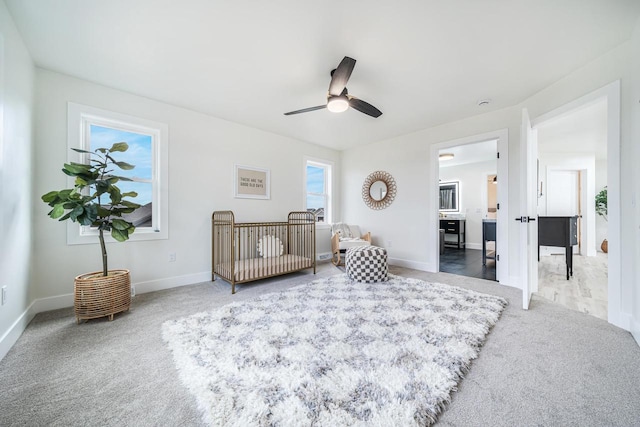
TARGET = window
x,y
91,128
318,189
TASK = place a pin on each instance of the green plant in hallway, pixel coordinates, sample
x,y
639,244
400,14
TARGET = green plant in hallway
x,y
601,209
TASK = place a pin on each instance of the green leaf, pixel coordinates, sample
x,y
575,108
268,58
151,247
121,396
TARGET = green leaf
x,y
119,146
114,194
76,168
102,150
130,204
64,194
124,165
121,224
76,212
119,235
57,211
50,196
77,150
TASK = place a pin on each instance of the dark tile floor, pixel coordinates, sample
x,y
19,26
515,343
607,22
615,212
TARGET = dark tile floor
x,y
467,262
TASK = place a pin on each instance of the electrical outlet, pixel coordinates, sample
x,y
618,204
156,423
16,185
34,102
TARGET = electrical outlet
x,y
172,257
389,243
133,291
4,294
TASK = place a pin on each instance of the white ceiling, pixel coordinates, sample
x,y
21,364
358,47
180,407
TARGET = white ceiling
x,y
583,131
471,153
421,62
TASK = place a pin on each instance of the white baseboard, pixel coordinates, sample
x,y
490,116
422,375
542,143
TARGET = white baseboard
x,y
511,281
422,266
52,303
13,333
635,329
66,300
171,282
476,246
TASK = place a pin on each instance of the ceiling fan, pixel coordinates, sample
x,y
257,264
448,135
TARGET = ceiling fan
x,y
338,99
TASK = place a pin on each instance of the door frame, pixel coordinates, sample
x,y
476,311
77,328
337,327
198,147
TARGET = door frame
x,y
611,93
502,228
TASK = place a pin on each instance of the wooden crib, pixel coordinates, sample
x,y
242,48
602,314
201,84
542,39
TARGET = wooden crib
x,y
244,252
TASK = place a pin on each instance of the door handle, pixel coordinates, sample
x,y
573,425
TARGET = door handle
x,y
525,219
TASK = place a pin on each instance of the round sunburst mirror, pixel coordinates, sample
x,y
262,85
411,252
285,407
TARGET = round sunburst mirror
x,y
379,190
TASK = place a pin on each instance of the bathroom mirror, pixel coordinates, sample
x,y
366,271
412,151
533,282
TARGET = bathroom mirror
x,y
449,197
379,190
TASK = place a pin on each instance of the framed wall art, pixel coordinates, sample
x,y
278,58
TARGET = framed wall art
x,y
252,183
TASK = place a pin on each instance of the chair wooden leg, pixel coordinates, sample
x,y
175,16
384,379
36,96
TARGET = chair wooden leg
x,y
335,259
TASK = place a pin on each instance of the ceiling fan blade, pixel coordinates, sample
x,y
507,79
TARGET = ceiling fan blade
x,y
364,107
341,75
306,110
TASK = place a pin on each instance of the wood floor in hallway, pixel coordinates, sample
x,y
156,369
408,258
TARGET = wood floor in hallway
x,y
585,291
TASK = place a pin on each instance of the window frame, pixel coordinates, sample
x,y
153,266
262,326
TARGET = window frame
x,y
80,118
328,166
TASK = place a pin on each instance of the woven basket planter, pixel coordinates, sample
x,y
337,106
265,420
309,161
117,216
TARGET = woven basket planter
x,y
96,295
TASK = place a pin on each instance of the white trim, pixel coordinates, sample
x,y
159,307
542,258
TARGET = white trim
x,y
14,332
329,183
77,117
41,305
171,282
474,246
635,329
416,265
612,94
502,136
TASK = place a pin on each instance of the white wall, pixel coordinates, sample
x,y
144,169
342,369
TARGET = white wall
x,y
574,162
407,158
634,140
473,196
16,121
202,154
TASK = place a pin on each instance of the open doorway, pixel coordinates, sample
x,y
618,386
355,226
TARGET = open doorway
x,y
572,169
467,201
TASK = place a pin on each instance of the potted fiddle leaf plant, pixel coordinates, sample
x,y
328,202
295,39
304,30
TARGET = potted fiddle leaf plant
x,y
601,209
96,201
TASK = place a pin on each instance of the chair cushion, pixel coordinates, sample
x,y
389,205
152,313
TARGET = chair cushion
x,y
351,243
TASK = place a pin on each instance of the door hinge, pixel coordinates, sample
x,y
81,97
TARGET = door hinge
x,y
497,257
498,153
498,206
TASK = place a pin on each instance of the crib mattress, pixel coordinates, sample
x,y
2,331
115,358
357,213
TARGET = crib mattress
x,y
258,268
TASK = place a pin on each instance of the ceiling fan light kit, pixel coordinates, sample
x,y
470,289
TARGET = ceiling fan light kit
x,y
339,99
338,104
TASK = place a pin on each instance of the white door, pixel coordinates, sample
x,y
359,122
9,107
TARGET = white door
x,y
528,208
562,199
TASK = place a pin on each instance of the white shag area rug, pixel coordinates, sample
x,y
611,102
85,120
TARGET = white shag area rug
x,y
333,352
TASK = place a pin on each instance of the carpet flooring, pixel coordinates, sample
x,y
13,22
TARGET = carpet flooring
x,y
545,366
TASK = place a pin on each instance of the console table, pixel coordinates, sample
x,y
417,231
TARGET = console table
x,y
453,227
559,231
